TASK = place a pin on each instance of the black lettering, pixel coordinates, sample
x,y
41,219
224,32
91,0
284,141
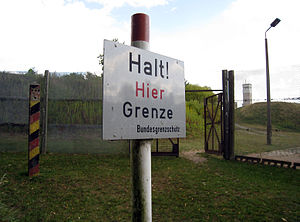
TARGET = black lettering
x,y
148,68
162,110
161,68
127,111
156,113
130,110
167,70
155,67
170,114
138,63
145,112
136,111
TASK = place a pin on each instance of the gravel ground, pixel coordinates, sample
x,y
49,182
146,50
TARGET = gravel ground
x,y
291,155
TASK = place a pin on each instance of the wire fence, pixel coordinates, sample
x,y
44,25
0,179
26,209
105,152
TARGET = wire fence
x,y
75,118
74,113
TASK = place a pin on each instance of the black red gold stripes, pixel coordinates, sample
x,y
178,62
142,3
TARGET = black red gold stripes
x,y
33,131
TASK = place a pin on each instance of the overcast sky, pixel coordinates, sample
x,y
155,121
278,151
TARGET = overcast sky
x,y
208,35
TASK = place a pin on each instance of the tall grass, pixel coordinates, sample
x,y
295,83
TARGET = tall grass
x,y
75,86
14,85
283,115
194,117
75,112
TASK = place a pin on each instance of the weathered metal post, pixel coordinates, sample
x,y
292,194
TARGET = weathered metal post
x,y
45,113
141,149
225,77
231,115
205,134
228,113
269,125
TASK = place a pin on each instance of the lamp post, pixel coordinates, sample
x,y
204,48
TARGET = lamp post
x,y
269,126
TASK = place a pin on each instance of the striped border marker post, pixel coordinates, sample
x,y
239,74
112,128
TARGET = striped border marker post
x,y
34,129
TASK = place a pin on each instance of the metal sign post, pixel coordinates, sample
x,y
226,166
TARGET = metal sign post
x,y
143,99
141,149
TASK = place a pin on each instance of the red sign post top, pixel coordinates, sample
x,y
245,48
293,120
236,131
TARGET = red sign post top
x,y
140,27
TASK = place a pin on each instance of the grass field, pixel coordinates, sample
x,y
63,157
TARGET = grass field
x,y
97,188
253,139
284,116
76,143
93,187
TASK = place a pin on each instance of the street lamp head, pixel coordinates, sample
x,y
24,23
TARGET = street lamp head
x,y
275,22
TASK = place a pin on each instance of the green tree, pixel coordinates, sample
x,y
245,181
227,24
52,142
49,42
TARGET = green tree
x,y
91,76
198,96
31,71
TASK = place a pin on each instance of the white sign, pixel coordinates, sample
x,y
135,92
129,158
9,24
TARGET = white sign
x,y
143,94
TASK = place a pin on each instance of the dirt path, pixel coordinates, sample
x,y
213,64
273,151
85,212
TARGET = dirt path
x,y
291,154
194,156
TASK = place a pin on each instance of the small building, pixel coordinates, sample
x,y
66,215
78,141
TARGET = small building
x,y
247,94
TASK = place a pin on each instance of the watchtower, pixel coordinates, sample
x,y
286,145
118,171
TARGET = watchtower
x,y
247,94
